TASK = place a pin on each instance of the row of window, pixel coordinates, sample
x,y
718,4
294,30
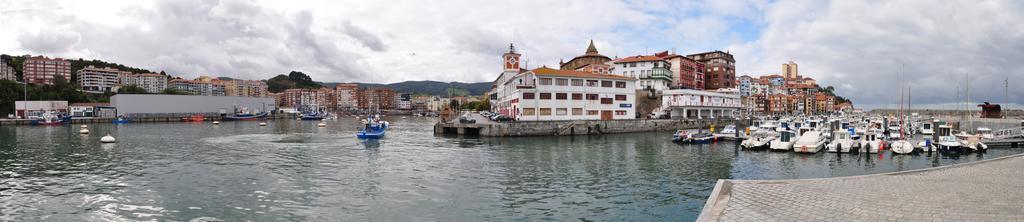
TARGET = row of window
x,y
575,96
580,82
565,111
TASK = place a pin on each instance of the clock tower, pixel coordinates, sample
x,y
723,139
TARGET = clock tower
x,y
511,59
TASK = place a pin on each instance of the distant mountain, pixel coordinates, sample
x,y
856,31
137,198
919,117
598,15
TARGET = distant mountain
x,y
429,87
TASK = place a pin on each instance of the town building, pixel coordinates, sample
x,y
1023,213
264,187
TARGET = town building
x,y
403,101
596,68
379,98
151,82
308,99
652,71
719,69
197,87
99,80
347,96
437,104
104,110
33,109
561,94
591,56
687,73
744,83
7,72
699,104
179,105
790,70
244,88
42,70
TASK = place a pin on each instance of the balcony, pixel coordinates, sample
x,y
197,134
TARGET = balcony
x,y
659,73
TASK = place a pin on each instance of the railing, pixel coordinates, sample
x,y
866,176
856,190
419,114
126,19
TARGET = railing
x,y
1008,133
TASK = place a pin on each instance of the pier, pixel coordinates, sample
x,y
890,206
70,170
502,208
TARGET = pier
x,y
977,191
484,127
149,119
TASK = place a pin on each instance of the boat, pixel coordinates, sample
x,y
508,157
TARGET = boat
x,y
698,137
51,119
729,130
927,129
374,128
680,136
193,118
246,116
121,120
313,116
945,141
784,142
757,140
973,144
810,142
872,141
985,133
841,142
901,147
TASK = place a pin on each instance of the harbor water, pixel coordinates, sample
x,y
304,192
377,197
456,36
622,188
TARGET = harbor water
x,y
293,170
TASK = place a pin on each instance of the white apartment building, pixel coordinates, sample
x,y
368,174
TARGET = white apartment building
x,y
690,104
7,72
198,87
545,94
99,80
151,82
653,72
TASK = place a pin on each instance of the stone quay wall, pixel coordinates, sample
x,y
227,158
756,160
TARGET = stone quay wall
x,y
588,127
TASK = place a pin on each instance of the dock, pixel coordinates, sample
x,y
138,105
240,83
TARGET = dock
x,y
151,119
484,127
987,190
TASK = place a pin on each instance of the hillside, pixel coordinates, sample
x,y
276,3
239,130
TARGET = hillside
x,y
430,87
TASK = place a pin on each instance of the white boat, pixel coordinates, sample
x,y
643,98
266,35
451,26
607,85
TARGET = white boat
x,y
927,129
946,142
985,133
901,147
973,144
810,142
871,142
730,130
758,140
841,142
784,142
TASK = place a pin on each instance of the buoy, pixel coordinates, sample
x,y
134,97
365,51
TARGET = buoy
x,y
216,122
83,130
321,124
83,126
107,139
263,124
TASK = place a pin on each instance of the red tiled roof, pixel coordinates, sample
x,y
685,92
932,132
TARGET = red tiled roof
x,y
545,71
638,59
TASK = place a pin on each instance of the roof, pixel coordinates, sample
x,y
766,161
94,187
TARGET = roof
x,y
545,71
90,104
638,59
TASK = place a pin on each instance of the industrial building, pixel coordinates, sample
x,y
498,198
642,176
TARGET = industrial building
x,y
172,105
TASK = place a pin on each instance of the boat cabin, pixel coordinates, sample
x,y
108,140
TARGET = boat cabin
x,y
785,136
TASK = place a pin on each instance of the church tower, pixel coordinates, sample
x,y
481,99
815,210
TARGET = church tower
x,y
511,59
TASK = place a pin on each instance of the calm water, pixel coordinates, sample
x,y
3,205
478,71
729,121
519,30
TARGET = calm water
x,y
292,170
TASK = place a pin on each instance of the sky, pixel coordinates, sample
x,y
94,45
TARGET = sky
x,y
867,50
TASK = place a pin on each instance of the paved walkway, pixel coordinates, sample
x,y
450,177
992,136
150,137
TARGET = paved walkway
x,y
991,190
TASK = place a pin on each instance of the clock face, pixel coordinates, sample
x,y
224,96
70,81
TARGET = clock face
x,y
511,60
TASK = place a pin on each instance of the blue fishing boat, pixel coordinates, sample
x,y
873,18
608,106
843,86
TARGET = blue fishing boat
x,y
374,128
122,120
246,116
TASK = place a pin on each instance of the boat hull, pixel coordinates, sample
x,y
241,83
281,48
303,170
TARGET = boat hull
x,y
247,117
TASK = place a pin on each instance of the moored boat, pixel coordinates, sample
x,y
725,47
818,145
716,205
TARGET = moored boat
x,y
193,118
246,116
121,120
374,128
784,142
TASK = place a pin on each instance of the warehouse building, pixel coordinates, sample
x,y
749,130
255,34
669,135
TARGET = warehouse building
x,y
177,105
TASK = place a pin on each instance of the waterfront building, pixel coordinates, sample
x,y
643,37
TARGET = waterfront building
x,y
719,69
591,56
177,105
419,103
437,104
7,72
403,101
347,96
653,72
92,110
41,70
99,80
743,83
780,104
689,103
31,109
687,73
244,88
379,98
151,82
306,99
198,87
790,70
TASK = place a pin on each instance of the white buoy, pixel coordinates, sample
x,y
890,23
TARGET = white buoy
x,y
216,122
263,124
83,126
84,130
107,139
321,124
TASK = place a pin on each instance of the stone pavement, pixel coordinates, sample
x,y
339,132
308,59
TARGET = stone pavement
x,y
991,190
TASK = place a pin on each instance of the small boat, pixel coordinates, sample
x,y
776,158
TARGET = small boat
x,y
680,136
872,142
374,128
901,147
973,144
810,142
193,118
122,120
51,119
757,140
784,142
985,133
313,116
946,142
246,116
927,129
730,130
841,142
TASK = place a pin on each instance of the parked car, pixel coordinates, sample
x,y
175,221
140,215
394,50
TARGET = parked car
x,y
466,119
503,118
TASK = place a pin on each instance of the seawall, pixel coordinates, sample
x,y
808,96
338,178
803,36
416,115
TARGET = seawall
x,y
580,127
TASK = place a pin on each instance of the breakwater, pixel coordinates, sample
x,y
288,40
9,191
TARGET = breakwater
x,y
147,119
580,127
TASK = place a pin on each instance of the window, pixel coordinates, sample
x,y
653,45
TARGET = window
x,y
561,111
592,112
545,95
528,112
591,96
620,97
577,82
528,96
545,81
577,96
606,84
620,84
592,83
545,111
562,82
620,113
715,68
560,96
606,100
577,111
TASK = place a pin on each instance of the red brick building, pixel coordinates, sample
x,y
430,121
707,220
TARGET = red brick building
x,y
686,72
719,69
41,70
377,98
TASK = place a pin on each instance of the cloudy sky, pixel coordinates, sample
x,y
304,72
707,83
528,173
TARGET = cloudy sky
x,y
856,46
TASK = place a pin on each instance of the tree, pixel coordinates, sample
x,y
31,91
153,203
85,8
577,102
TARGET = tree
x,y
174,91
279,83
131,89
